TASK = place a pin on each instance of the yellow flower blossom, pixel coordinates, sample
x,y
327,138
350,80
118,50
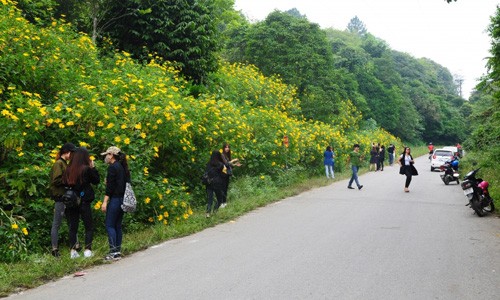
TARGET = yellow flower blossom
x,y
25,231
147,200
126,141
91,134
14,226
97,206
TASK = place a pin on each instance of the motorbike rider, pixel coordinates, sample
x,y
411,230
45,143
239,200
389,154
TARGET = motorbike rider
x,y
431,150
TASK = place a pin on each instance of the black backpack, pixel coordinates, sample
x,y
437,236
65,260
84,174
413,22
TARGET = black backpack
x,y
206,179
70,198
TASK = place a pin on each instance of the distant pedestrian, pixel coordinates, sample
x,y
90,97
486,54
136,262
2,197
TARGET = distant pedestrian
x,y
381,158
373,158
406,161
391,150
57,190
355,158
329,162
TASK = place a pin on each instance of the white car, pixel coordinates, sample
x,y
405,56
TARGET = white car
x,y
439,157
454,149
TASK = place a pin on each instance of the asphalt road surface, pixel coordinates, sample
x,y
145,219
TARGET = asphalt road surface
x,y
327,243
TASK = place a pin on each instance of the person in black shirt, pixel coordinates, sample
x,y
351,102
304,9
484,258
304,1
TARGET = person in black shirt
x,y
391,149
118,174
80,175
216,170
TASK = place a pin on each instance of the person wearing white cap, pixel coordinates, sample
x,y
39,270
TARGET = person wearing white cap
x,y
118,173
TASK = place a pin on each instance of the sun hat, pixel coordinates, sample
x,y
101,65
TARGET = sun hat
x,y
112,150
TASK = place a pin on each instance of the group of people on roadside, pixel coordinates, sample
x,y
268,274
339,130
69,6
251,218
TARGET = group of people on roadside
x,y
73,169
219,169
377,157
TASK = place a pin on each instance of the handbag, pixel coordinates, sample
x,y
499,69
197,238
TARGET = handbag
x,y
414,171
129,200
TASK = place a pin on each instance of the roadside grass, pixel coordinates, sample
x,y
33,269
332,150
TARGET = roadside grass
x,y
246,194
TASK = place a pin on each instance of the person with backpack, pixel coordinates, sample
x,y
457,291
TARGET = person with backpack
x,y
215,184
79,176
56,191
117,175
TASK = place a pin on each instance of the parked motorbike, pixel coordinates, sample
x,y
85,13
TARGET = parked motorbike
x,y
476,191
450,169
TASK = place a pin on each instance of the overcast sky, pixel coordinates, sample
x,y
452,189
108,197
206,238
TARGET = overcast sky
x,y
453,35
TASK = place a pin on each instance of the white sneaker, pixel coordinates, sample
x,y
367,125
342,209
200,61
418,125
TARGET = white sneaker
x,y
87,253
74,254
223,205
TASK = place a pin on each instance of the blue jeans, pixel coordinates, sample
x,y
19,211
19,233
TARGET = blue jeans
x,y
329,171
114,218
354,176
391,158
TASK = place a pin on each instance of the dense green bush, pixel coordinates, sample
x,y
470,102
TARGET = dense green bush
x,y
58,89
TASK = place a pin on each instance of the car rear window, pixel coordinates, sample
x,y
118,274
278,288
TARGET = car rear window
x,y
443,153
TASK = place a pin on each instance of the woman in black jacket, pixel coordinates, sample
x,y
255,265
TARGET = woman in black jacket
x,y
118,174
215,170
407,168
80,175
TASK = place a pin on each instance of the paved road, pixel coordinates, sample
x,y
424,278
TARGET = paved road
x,y
328,243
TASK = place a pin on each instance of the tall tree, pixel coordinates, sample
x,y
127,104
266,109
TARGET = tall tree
x,y
485,119
184,31
298,51
355,26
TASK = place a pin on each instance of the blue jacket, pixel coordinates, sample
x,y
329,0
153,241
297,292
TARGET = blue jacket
x,y
328,161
